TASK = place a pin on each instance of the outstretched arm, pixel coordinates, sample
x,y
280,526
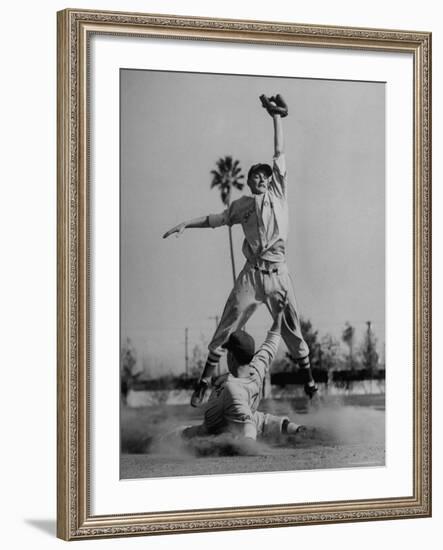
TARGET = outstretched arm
x,y
268,349
227,217
277,109
196,222
279,142
280,307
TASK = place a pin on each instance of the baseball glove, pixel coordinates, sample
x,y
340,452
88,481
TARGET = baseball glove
x,y
275,105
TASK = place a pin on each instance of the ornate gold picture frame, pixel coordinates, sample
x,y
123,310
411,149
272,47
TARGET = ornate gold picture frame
x,y
76,518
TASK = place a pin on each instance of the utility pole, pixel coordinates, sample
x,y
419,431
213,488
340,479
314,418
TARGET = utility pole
x,y
370,348
370,353
186,352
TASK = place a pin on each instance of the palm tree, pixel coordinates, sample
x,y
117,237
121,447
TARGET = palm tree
x,y
227,177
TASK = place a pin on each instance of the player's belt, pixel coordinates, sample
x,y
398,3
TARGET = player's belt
x,y
267,271
267,268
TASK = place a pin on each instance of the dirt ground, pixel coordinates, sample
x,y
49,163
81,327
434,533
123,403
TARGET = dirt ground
x,y
342,433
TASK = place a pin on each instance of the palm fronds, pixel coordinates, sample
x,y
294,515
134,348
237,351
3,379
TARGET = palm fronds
x,y
228,176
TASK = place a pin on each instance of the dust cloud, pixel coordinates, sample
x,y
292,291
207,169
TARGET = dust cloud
x,y
326,425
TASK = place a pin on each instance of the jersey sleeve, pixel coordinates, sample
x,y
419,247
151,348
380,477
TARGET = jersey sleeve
x,y
217,220
227,217
279,175
265,355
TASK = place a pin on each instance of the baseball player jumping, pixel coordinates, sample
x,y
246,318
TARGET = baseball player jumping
x,y
233,403
264,219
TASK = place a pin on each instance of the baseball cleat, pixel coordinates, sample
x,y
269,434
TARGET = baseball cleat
x,y
291,428
301,429
311,389
200,391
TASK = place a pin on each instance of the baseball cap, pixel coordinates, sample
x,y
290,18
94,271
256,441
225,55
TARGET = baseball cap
x,y
242,345
260,168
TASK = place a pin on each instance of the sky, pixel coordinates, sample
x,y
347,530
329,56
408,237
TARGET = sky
x,y
174,127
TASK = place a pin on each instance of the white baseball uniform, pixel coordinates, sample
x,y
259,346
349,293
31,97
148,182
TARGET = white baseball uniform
x,y
264,219
232,405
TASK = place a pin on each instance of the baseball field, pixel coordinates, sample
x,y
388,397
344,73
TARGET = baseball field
x,y
344,432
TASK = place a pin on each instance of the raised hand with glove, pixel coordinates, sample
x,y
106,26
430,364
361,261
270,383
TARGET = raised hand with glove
x,y
275,105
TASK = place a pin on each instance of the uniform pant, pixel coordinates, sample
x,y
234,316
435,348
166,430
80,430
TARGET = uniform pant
x,y
255,286
260,424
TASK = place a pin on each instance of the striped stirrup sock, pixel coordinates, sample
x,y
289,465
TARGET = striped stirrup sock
x,y
304,363
213,359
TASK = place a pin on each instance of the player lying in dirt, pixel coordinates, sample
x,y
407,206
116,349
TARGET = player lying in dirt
x,y
234,400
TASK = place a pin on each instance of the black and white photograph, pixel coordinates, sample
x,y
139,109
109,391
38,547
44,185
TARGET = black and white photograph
x,y
252,274
222,255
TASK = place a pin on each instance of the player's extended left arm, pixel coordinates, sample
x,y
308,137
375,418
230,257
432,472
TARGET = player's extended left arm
x,y
276,108
279,142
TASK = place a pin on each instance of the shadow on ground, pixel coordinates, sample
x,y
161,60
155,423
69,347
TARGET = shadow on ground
x,y
48,526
